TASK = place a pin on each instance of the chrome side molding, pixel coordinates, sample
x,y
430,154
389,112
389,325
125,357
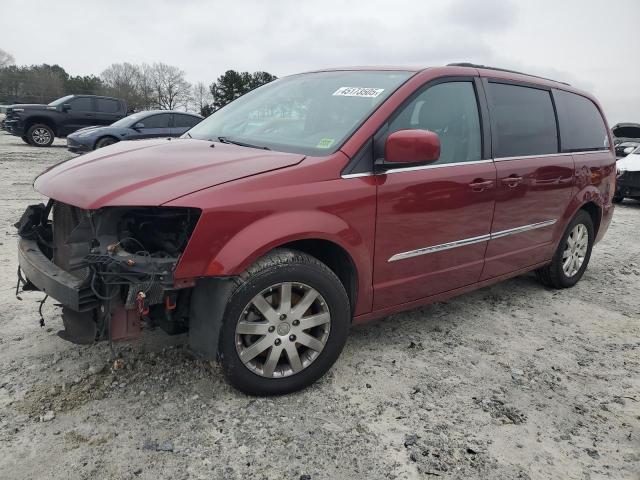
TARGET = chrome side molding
x,y
470,241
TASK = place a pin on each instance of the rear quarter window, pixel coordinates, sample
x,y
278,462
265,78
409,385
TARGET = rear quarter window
x,y
106,105
182,121
581,125
523,121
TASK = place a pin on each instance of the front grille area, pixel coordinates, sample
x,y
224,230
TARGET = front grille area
x,y
71,243
629,179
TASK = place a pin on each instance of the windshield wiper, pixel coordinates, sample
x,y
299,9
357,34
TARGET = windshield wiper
x,y
188,134
241,144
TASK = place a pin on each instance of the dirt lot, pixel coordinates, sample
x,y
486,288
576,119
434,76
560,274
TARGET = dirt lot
x,y
512,381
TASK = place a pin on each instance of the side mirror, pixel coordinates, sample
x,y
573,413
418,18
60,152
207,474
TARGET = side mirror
x,y
629,150
66,107
412,146
138,126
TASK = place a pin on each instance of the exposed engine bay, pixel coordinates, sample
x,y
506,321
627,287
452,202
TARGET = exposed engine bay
x,y
117,266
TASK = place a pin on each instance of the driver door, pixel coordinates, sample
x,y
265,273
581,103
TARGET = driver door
x,y
433,221
153,126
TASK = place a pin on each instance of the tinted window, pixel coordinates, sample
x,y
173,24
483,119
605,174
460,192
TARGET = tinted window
x,y
581,125
81,104
523,121
156,121
106,105
451,111
182,121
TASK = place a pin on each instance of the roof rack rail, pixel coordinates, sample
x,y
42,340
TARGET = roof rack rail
x,y
475,65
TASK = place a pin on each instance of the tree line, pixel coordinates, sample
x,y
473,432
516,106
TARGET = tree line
x,y
144,86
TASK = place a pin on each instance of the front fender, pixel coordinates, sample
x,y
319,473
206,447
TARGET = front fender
x,y
277,229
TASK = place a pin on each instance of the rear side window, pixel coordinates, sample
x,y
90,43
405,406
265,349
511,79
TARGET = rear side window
x,y
451,111
106,105
523,121
81,104
156,121
182,121
581,125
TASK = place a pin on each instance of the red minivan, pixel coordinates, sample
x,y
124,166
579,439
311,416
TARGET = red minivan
x,y
321,200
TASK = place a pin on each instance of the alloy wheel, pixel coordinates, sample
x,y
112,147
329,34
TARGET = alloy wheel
x,y
41,136
575,250
282,330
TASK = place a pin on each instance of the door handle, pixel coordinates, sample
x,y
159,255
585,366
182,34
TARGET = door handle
x,y
480,185
512,181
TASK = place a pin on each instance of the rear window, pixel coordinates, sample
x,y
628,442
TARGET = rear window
x,y
106,105
581,125
523,121
182,121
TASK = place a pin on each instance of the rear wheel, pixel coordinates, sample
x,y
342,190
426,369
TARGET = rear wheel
x,y
617,198
285,325
103,142
572,255
25,139
40,135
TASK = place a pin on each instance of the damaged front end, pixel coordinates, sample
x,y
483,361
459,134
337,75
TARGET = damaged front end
x,y
111,269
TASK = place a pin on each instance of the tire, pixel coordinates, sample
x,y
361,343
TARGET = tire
x,y
617,198
25,139
105,141
267,279
555,274
40,135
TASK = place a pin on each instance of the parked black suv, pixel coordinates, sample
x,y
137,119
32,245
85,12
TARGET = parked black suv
x,y
39,124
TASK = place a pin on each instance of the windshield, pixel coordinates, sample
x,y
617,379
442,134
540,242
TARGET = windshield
x,y
60,101
312,113
130,120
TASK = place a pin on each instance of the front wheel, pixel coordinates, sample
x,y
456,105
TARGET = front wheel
x,y
572,255
617,198
40,135
25,139
105,141
285,324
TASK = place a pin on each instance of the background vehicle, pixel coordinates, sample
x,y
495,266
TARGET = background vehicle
x,y
149,124
39,124
626,138
628,177
320,199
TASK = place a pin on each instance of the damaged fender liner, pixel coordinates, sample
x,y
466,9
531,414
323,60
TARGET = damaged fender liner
x,y
53,280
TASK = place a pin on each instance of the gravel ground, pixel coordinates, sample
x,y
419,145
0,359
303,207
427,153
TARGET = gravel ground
x,y
511,381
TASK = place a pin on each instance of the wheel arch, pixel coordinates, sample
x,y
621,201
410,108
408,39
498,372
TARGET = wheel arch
x,y
595,212
108,135
31,121
336,258
322,235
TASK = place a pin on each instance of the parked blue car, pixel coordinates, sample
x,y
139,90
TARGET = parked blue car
x,y
148,124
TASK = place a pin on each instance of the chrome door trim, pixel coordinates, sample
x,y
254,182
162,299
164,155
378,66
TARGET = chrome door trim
x,y
520,157
418,167
469,241
524,228
474,162
438,248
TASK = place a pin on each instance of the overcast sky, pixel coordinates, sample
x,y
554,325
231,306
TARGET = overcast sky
x,y
590,44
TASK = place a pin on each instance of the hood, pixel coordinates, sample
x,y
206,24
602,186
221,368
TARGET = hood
x,y
153,172
626,131
630,163
88,129
29,106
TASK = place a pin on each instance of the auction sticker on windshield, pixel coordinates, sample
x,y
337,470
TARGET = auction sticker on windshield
x,y
358,92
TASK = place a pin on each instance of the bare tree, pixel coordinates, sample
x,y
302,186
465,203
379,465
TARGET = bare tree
x,y
202,98
171,88
121,80
6,59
